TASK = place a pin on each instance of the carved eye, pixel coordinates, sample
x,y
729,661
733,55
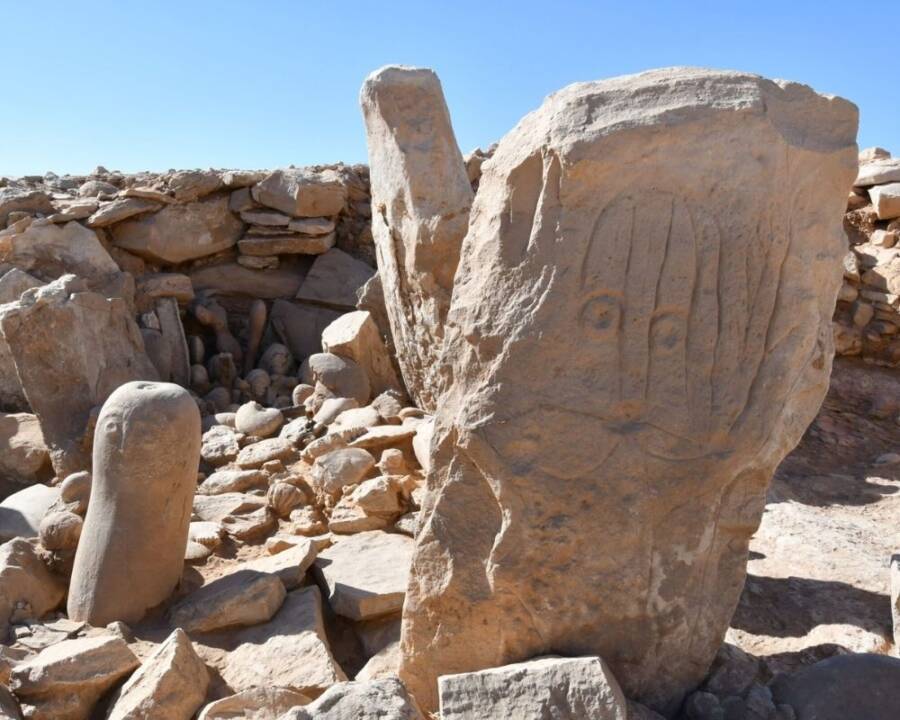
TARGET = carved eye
x,y
601,315
667,332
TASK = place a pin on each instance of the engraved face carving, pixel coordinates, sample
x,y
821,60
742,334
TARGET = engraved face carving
x,y
657,360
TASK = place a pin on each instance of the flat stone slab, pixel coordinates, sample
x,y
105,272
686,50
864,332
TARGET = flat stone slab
x,y
290,650
366,574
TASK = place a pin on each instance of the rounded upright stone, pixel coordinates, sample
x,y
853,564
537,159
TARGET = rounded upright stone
x,y
131,553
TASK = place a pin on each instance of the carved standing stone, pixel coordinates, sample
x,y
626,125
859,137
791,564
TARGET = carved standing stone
x,y
131,552
640,331
420,209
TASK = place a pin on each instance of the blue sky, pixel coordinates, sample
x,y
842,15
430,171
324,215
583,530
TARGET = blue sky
x,y
256,84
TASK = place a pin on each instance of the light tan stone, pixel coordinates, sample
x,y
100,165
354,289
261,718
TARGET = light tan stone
x,y
180,232
72,348
65,681
131,552
245,597
261,703
420,210
28,590
562,688
631,350
169,685
372,700
355,336
886,200
48,251
366,574
23,453
290,650
302,192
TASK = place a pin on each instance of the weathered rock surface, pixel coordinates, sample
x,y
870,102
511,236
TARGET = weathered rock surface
x,y
47,251
612,331
375,700
72,348
246,597
886,200
421,198
302,192
28,590
290,650
66,680
335,470
334,279
169,685
548,687
131,552
14,282
23,452
180,232
366,574
21,513
355,336
262,703
300,326
845,686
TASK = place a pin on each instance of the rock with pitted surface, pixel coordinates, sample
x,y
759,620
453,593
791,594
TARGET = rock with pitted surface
x,y
421,198
169,685
28,590
385,699
72,348
180,232
131,552
65,681
302,192
547,687
631,350
47,251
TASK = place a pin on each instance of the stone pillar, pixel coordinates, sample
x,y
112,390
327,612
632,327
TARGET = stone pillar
x,y
420,210
640,331
146,454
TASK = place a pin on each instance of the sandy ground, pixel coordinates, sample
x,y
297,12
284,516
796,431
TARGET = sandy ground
x,y
818,577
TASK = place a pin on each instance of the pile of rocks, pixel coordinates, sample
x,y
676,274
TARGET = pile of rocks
x,y
867,318
225,417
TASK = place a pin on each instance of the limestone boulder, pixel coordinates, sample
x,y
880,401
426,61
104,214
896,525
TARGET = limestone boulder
x,y
261,703
14,199
21,513
335,470
547,687
28,589
65,681
302,192
372,700
169,685
290,650
231,481
254,419
14,282
631,349
72,348
47,251
423,196
181,232
121,209
293,244
344,377
878,171
886,200
131,552
334,279
245,597
220,445
844,686
365,575
24,457
355,336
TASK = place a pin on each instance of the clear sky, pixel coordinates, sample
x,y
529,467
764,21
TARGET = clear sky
x,y
162,84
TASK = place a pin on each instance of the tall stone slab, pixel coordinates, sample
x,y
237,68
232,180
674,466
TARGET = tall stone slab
x,y
131,553
640,331
71,349
420,210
